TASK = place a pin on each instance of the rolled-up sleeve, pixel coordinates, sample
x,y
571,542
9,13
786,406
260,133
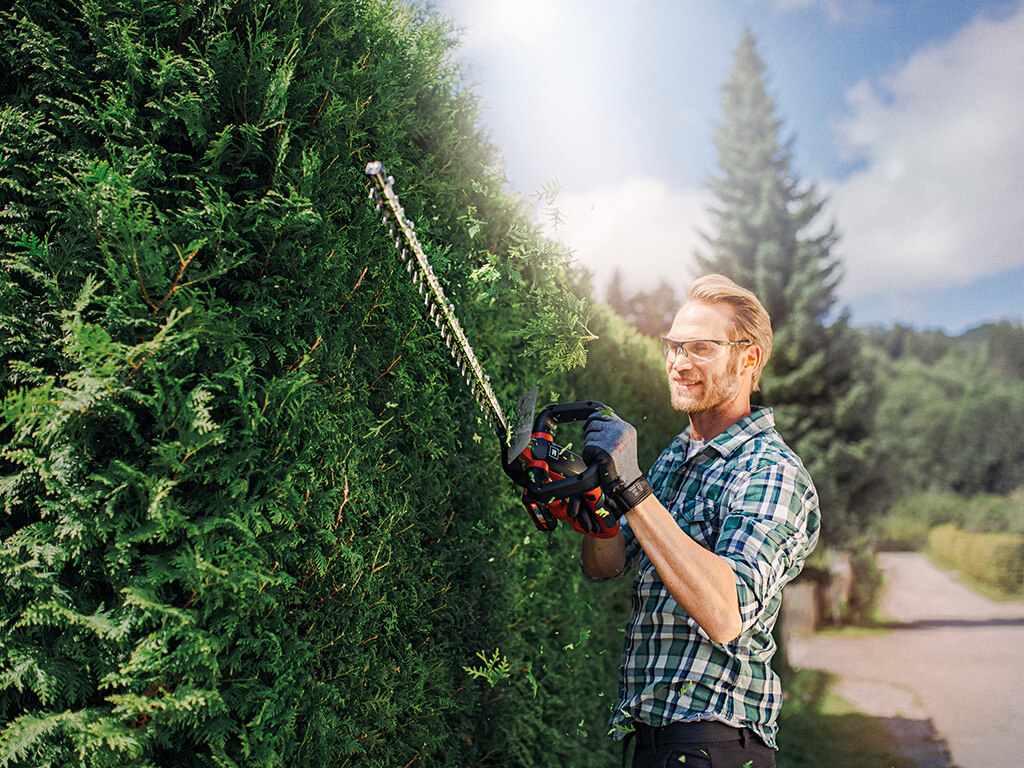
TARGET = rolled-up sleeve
x,y
769,529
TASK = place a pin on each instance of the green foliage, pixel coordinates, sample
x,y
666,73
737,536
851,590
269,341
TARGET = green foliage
x,y
907,523
955,424
1005,349
766,239
492,669
251,515
866,590
651,312
902,341
991,513
625,370
912,520
994,558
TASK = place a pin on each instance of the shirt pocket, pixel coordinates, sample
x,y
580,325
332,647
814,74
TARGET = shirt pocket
x,y
700,521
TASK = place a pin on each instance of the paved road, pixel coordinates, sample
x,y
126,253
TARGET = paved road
x,y
956,659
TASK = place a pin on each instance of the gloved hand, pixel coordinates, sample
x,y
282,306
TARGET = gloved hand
x,y
611,442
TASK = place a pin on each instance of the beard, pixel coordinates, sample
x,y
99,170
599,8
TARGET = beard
x,y
718,388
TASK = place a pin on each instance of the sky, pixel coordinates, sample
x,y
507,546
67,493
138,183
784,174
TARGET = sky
x,y
907,115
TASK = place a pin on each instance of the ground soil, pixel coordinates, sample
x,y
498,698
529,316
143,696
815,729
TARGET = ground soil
x,y
948,676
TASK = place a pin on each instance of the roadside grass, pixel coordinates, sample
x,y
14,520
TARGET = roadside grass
x,y
873,624
817,728
877,623
984,588
989,590
859,630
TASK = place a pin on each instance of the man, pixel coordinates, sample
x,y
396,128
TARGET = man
x,y
732,517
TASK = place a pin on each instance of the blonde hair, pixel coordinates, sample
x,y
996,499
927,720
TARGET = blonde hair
x,y
750,320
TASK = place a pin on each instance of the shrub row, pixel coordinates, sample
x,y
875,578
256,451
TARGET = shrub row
x,y
907,524
250,514
995,558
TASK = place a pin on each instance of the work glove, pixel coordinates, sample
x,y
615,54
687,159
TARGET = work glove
x,y
611,443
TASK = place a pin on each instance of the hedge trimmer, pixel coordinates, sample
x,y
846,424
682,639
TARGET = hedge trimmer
x,y
557,484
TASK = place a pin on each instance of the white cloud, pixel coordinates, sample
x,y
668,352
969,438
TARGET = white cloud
x,y
552,77
937,201
642,227
837,11
507,24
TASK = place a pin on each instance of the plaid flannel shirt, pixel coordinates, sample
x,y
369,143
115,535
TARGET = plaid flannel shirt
x,y
747,497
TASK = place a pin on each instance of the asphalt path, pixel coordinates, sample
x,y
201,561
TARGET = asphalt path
x,y
954,661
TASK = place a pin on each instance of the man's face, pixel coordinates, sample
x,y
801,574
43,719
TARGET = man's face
x,y
699,387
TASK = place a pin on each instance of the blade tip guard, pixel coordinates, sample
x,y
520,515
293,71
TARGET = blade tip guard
x,y
521,427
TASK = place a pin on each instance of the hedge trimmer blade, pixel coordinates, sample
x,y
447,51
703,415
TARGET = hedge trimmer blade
x,y
434,299
557,484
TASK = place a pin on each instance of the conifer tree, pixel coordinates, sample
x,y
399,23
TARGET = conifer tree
x,y
767,238
649,311
615,297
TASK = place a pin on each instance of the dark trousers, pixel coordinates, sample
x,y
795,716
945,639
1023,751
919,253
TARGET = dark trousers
x,y
699,745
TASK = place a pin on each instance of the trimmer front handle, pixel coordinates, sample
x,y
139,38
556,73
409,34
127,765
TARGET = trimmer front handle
x,y
557,484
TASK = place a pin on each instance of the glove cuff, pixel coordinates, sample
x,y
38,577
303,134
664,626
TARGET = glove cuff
x,y
625,498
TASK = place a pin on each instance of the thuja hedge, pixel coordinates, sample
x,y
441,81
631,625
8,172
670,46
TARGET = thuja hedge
x,y
995,558
250,514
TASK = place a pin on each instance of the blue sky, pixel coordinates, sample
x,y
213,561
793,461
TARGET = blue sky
x,y
908,115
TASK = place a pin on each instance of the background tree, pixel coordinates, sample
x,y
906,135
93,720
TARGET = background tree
x,y
902,341
649,311
950,415
766,238
1005,350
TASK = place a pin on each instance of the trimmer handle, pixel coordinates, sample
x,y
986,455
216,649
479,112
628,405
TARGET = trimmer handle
x,y
564,413
557,484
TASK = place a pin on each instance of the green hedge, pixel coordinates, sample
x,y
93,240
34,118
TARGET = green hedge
x,y
995,558
251,515
907,524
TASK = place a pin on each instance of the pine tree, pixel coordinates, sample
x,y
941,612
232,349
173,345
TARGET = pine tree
x,y
615,297
767,239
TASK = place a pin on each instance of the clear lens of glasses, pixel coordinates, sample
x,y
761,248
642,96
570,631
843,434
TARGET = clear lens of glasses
x,y
698,350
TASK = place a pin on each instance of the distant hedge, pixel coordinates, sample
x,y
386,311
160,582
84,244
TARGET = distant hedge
x,y
995,558
251,515
911,518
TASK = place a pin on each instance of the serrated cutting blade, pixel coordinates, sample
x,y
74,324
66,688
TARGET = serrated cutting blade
x,y
440,311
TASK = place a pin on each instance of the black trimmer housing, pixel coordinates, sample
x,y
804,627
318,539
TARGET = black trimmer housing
x,y
557,484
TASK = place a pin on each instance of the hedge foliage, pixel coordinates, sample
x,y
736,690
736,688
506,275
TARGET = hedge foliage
x,y
250,513
908,523
995,558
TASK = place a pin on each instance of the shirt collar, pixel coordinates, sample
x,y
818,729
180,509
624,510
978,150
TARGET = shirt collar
x,y
760,419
